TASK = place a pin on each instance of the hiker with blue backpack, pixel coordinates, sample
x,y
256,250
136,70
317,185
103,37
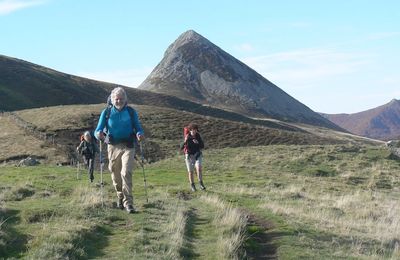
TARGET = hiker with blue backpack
x,y
119,127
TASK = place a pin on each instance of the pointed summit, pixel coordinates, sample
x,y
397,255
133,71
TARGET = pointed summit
x,y
190,36
196,69
189,39
394,102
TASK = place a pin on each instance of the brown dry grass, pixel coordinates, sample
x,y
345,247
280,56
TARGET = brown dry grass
x,y
16,144
231,224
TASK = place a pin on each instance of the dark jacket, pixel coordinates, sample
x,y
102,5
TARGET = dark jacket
x,y
193,144
87,149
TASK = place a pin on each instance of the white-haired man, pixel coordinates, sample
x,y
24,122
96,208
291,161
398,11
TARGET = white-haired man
x,y
120,127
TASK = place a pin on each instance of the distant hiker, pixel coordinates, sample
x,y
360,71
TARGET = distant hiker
x,y
120,128
394,147
192,146
88,149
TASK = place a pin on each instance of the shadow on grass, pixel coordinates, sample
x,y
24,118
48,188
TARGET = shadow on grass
x,y
350,244
261,243
187,251
94,241
12,243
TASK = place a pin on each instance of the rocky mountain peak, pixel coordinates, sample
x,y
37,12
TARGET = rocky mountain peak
x,y
196,69
190,36
394,102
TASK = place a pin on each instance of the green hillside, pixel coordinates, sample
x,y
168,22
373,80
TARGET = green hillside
x,y
264,202
52,133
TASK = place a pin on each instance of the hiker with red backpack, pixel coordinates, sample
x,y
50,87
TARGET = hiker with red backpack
x,y
119,127
87,148
192,146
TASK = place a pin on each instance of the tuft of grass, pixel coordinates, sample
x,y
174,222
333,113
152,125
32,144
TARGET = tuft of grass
x,y
60,239
176,229
231,224
39,215
322,171
87,197
18,192
163,234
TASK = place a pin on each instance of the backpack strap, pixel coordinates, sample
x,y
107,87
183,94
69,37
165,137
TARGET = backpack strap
x,y
131,112
108,113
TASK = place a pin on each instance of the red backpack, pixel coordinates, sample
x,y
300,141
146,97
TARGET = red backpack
x,y
186,132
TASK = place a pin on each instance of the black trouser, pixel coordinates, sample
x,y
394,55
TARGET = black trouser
x,y
90,165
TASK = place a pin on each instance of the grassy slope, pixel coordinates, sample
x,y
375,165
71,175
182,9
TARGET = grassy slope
x,y
310,202
16,144
163,127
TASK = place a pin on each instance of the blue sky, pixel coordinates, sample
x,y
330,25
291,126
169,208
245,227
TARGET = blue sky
x,y
334,56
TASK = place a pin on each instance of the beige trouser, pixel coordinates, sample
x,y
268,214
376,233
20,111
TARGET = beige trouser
x,y
121,159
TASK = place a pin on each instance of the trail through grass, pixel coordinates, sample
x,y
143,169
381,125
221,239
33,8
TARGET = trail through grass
x,y
288,202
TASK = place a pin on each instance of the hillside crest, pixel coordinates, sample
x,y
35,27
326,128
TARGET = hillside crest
x,y
382,122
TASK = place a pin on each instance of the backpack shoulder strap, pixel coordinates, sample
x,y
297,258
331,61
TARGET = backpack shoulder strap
x,y
131,111
108,113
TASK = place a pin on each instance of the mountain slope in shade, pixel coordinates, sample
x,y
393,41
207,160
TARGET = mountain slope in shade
x,y
194,68
381,123
28,85
25,85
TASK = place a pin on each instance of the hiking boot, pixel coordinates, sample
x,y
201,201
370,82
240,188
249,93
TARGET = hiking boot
x,y
202,187
130,209
120,204
193,187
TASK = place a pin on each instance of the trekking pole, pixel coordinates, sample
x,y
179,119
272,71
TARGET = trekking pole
x,y
101,172
77,170
78,167
141,146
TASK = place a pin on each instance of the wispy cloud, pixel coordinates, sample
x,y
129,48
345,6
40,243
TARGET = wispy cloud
x,y
245,47
328,79
308,66
128,77
383,35
9,6
391,80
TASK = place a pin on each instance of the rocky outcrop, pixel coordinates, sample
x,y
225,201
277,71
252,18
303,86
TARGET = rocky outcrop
x,y
29,161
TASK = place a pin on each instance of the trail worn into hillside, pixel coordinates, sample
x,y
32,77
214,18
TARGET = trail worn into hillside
x,y
265,248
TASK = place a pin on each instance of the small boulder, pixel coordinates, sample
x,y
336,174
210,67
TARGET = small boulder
x,y
29,161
